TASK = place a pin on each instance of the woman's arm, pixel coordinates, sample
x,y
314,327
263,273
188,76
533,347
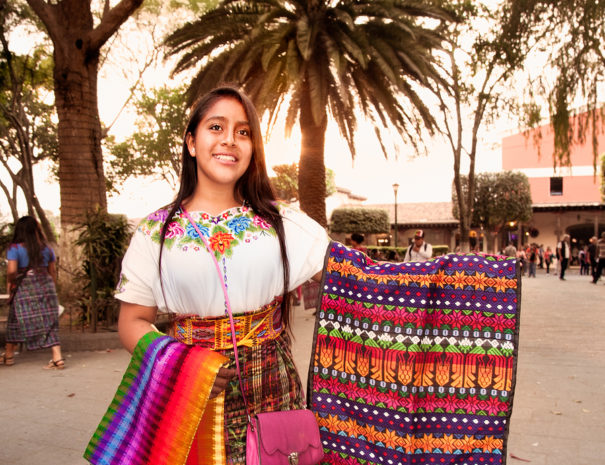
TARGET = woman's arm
x,y
52,271
11,274
134,322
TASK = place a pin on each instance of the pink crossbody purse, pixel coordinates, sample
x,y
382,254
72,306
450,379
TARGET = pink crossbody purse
x,y
289,437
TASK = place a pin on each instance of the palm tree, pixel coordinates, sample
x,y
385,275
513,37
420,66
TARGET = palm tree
x,y
320,56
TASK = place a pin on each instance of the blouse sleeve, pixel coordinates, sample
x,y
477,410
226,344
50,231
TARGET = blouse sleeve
x,y
49,255
306,244
139,270
11,253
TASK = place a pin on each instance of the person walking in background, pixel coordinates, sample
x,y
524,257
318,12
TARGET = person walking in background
x,y
600,258
533,260
548,259
522,257
563,255
33,317
592,256
584,261
357,241
541,256
419,250
510,250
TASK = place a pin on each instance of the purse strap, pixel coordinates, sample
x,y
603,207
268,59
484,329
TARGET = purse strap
x,y
227,305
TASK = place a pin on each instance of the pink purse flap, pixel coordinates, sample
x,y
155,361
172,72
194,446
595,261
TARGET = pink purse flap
x,y
288,431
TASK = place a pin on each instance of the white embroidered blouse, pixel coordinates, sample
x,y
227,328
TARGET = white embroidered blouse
x,y
247,250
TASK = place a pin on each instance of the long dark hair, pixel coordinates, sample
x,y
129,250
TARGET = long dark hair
x,y
253,187
29,233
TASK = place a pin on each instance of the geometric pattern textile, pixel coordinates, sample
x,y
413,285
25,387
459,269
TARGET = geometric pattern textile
x,y
33,315
414,363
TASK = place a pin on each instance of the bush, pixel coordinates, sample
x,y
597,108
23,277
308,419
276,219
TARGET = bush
x,y
360,220
103,239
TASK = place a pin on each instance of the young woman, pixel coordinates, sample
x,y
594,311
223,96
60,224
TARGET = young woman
x,y
33,316
264,250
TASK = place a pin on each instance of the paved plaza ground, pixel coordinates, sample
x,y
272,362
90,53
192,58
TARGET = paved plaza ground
x,y
47,417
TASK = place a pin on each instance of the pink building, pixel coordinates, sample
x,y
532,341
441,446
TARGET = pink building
x,y
565,199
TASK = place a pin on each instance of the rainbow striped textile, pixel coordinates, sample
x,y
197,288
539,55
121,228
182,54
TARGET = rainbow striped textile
x,y
158,406
414,363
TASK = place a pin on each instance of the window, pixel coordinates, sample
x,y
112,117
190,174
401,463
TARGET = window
x,y
556,186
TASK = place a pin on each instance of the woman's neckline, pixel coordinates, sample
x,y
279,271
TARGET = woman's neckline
x,y
221,213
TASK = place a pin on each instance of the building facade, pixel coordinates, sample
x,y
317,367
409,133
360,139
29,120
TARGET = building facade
x,y
565,200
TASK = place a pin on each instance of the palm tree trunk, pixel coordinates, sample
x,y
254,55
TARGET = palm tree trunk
x,y
311,168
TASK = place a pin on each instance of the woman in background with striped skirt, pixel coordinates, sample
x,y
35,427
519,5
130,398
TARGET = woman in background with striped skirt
x,y
33,317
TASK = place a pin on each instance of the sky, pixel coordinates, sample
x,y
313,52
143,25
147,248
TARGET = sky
x,y
421,178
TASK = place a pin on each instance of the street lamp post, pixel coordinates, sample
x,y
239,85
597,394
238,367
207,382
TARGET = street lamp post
x,y
395,187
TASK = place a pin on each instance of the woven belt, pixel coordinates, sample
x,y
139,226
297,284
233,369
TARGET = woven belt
x,y
251,328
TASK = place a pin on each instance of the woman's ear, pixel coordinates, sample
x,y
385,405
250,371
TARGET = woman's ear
x,y
190,144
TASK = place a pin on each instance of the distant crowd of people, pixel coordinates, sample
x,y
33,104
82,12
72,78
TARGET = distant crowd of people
x,y
590,258
418,251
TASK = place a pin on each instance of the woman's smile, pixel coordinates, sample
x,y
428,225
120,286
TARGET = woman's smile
x,y
227,157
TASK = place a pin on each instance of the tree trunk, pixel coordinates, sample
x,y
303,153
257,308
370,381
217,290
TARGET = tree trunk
x,y
77,42
81,176
311,168
463,212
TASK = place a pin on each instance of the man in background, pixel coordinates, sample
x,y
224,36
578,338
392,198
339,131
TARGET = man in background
x,y
510,250
419,250
600,258
592,256
357,241
563,255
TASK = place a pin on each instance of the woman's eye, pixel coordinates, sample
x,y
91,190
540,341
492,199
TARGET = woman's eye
x,y
244,132
215,127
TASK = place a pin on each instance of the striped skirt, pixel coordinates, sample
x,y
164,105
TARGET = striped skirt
x,y
33,316
269,375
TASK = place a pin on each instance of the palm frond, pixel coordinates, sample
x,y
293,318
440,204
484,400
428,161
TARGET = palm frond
x,y
372,55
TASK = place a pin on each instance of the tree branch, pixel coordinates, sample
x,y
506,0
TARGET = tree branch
x,y
46,14
110,22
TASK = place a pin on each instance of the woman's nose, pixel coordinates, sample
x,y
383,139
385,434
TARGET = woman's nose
x,y
228,138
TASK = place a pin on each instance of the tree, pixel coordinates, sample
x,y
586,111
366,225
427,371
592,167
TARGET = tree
x,y
499,199
477,62
285,182
319,57
77,43
571,33
27,133
155,149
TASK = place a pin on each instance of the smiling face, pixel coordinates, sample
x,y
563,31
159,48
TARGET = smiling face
x,y
222,145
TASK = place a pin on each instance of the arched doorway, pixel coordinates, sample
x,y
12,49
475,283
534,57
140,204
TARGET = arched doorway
x,y
580,238
581,233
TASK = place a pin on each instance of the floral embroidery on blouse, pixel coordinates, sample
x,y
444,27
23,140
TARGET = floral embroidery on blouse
x,y
121,287
224,232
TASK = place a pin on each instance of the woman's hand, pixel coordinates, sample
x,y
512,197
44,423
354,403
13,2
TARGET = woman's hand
x,y
224,377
